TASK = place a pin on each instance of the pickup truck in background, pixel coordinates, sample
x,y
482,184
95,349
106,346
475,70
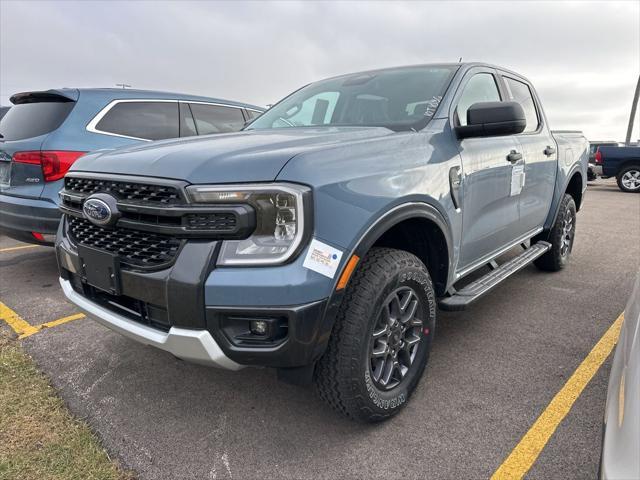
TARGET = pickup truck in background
x,y
621,162
323,238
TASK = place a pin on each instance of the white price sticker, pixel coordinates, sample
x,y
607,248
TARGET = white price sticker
x,y
322,258
517,179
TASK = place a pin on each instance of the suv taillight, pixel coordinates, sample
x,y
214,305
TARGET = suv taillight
x,y
54,163
598,156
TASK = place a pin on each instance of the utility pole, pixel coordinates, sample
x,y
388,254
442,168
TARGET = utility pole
x,y
634,108
123,85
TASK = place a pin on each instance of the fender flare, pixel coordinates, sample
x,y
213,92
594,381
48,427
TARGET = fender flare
x,y
366,240
400,213
556,208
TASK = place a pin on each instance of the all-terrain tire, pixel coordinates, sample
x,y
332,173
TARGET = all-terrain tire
x,y
561,237
345,377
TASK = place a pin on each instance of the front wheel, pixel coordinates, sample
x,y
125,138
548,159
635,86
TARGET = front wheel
x,y
382,337
561,237
629,179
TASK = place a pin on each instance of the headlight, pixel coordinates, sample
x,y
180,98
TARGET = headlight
x,y
280,220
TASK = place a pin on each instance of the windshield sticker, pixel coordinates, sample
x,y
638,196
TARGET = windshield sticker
x,y
322,258
432,105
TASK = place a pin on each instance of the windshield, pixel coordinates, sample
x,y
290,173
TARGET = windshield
x,y
400,99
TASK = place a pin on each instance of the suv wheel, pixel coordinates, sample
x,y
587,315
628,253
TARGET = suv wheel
x,y
382,337
629,179
561,237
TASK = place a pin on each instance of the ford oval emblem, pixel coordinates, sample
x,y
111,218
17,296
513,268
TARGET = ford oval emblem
x,y
97,211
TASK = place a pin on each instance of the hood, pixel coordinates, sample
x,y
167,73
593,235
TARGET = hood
x,y
249,156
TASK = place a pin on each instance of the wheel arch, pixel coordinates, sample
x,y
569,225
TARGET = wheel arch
x,y
574,188
634,162
418,228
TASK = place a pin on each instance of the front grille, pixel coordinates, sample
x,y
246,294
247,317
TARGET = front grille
x,y
133,247
218,222
134,192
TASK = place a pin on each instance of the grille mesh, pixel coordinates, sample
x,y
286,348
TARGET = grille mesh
x,y
137,192
219,222
134,247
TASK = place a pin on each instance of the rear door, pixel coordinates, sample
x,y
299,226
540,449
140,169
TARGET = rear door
x,y
23,129
489,210
538,148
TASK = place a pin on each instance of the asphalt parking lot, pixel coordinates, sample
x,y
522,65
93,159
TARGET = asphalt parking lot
x,y
493,371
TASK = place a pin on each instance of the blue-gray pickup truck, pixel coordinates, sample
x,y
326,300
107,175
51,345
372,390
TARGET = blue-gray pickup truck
x,y
323,239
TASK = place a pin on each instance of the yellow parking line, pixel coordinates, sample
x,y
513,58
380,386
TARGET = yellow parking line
x,y
23,328
21,247
20,326
526,452
54,323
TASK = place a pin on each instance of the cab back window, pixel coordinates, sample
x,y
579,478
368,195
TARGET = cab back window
x,y
145,120
27,120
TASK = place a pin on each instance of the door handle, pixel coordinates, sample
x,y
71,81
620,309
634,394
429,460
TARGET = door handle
x,y
514,156
549,150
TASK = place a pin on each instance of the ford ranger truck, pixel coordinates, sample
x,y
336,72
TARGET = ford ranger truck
x,y
323,238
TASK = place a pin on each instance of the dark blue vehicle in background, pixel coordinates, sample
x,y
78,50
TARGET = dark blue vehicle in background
x,y
45,132
621,162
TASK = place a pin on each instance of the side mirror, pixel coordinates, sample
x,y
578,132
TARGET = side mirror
x,y
489,119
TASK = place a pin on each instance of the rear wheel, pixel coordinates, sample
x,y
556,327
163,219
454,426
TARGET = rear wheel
x,y
561,237
629,179
381,341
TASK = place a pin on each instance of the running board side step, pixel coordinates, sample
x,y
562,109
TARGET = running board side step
x,y
469,294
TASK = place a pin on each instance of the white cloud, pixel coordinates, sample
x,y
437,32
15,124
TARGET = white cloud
x,y
584,58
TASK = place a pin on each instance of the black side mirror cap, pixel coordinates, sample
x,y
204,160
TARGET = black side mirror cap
x,y
489,119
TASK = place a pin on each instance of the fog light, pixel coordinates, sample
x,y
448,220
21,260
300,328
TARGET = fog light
x,y
258,327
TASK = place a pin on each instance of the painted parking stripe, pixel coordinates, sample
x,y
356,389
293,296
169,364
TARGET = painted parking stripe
x,y
55,323
15,321
21,247
528,449
24,329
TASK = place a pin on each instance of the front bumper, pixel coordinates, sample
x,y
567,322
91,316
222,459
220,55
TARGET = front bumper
x,y
176,303
197,346
20,216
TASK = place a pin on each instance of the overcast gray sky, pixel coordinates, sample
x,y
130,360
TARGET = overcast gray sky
x,y
583,57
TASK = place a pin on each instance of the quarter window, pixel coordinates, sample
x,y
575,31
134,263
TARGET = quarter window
x,y
216,119
480,88
253,114
520,92
147,120
187,125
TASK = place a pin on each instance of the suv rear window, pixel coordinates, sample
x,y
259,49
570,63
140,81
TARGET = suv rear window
x,y
145,120
27,120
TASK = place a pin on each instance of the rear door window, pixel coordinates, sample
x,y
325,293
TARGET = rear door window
x,y
216,119
28,120
144,120
520,92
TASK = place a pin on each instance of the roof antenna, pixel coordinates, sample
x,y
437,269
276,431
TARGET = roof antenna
x,y
123,85
460,61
